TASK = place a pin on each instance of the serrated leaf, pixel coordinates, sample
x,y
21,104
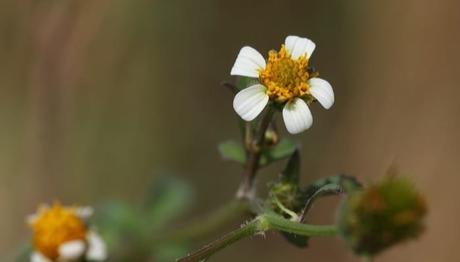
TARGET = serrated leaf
x,y
282,150
168,198
231,150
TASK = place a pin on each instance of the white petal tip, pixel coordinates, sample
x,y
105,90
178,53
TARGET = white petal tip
x,y
297,116
38,257
72,250
84,212
322,91
298,46
248,63
250,102
97,250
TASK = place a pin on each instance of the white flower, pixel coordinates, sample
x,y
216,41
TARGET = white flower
x,y
61,234
285,79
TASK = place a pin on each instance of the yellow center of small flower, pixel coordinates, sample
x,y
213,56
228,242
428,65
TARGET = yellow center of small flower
x,y
284,77
55,226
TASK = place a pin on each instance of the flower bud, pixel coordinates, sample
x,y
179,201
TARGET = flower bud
x,y
382,215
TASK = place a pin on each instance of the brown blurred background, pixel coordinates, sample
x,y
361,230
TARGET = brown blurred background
x,y
96,97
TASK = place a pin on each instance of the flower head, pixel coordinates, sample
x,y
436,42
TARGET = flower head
x,y
285,79
61,234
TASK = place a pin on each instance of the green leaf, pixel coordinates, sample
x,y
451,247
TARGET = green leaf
x,y
167,199
296,240
234,151
167,252
282,150
117,221
231,150
290,176
333,185
22,254
244,82
291,173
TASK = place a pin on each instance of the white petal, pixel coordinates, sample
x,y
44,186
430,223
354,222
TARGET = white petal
x,y
322,91
249,102
297,116
84,212
31,219
72,250
97,250
38,257
248,63
298,46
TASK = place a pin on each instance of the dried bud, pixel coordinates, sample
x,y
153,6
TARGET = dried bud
x,y
382,215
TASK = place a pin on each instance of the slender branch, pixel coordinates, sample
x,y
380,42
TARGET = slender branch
x,y
203,227
278,222
260,224
228,239
253,154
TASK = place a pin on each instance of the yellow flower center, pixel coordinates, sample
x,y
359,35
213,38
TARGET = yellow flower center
x,y
55,226
284,77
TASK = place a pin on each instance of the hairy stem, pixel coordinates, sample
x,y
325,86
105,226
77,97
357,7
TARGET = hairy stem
x,y
262,223
228,239
278,222
203,227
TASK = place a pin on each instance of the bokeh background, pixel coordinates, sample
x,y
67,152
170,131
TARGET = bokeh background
x,y
98,97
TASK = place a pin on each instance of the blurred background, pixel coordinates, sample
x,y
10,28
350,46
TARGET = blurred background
x,y
99,97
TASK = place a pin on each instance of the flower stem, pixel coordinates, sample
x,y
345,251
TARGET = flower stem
x,y
260,224
203,227
278,222
253,154
228,239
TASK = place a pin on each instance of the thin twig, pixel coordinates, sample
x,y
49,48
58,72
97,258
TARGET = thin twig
x,y
203,227
260,224
226,240
253,154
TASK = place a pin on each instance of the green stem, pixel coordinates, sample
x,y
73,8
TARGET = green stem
x,y
277,222
228,239
262,223
205,226
253,154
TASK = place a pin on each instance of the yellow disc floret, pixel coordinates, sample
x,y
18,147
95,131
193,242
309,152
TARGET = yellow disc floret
x,y
54,226
284,77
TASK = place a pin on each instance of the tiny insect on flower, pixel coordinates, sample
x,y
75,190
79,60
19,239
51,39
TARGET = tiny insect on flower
x,y
62,234
284,79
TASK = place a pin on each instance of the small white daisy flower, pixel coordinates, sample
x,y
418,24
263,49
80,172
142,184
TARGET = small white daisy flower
x,y
285,79
61,234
